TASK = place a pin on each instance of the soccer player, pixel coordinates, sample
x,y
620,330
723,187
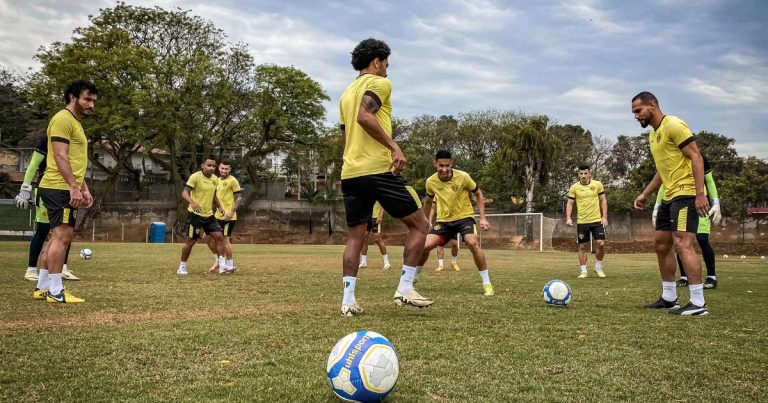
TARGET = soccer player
x,y
42,226
440,253
63,188
230,195
200,193
451,187
702,232
371,172
592,218
374,230
680,168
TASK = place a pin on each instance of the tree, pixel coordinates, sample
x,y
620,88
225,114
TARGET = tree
x,y
748,189
578,149
17,119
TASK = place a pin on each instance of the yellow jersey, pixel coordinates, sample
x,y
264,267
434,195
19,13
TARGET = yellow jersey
x,y
65,128
225,192
452,196
587,201
202,190
672,165
362,154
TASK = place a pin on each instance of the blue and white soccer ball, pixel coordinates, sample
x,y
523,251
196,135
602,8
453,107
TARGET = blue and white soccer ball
x,y
363,367
86,253
557,293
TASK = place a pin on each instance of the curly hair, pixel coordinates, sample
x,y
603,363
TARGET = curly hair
x,y
77,87
368,50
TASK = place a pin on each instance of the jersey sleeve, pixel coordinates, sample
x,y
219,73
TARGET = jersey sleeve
x,y
60,130
42,146
379,90
680,134
470,183
236,186
572,193
600,188
428,189
709,181
192,181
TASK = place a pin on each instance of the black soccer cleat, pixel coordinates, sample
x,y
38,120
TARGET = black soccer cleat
x,y
683,282
691,310
710,283
662,303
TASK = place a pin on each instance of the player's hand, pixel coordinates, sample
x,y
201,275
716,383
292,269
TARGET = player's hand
x,y
702,205
714,212
569,222
604,221
25,196
640,201
75,197
398,161
484,224
655,214
378,221
195,207
229,215
87,198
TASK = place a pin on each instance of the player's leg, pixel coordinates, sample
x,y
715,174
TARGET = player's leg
x,y
382,247
665,255
455,255
358,203
35,248
431,241
685,222
67,274
221,250
683,281
482,265
61,217
598,235
211,243
702,237
193,235
226,231
440,257
582,238
364,248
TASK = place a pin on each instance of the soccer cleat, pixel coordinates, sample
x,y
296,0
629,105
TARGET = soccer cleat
x,y
582,275
182,271
440,268
691,310
351,310
387,266
599,272
488,290
31,276
39,294
455,266
226,270
412,298
683,282
710,283
65,297
214,268
662,303
362,266
68,275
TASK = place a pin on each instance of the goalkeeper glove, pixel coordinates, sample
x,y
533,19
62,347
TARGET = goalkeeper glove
x,y
714,212
25,196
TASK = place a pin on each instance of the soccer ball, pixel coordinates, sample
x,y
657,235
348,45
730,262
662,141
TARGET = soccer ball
x,y
557,293
86,253
363,367
725,256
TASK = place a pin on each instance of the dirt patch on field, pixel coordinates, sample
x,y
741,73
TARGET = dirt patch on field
x,y
721,248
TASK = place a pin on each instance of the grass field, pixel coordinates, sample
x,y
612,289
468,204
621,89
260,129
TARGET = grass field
x,y
264,334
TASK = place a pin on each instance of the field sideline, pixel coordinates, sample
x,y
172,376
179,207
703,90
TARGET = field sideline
x,y
264,334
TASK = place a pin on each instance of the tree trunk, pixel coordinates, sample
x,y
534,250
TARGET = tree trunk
x,y
530,179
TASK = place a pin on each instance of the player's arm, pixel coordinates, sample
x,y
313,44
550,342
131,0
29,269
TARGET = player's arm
x,y
25,193
569,211
187,196
652,186
603,208
60,148
484,224
714,212
427,203
87,197
366,117
217,204
691,151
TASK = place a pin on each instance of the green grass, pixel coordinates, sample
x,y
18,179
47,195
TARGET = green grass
x,y
264,334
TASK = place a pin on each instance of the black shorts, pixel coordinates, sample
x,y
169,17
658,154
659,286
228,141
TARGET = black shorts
x,y
594,230
227,226
59,210
447,230
199,224
678,214
373,226
361,193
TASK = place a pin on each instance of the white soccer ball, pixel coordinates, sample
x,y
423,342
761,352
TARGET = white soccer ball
x,y
725,256
743,257
557,293
363,367
86,253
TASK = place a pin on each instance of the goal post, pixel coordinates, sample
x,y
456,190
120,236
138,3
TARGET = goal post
x,y
518,231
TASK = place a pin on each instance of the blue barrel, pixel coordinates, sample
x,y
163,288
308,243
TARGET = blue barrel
x,y
157,232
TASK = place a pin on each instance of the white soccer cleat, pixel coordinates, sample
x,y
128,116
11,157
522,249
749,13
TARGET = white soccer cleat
x,y
582,275
182,271
599,272
226,270
31,276
387,266
68,275
412,298
351,310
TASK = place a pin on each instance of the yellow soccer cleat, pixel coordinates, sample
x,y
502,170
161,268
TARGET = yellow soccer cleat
x,y
455,266
65,297
599,272
440,268
488,290
39,294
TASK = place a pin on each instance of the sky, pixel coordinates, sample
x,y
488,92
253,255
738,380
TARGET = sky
x,y
577,61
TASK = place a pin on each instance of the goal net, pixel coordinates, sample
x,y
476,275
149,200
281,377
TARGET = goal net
x,y
530,231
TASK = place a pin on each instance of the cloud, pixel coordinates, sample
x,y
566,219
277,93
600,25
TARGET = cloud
x,y
603,21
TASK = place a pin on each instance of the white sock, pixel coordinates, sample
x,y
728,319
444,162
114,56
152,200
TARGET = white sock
x,y
230,262
222,261
386,259
364,260
348,282
668,291
183,265
583,268
439,262
697,294
454,259
485,277
55,284
42,279
406,279
598,264
31,269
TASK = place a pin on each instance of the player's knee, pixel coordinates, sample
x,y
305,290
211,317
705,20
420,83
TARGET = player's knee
x,y
472,244
600,243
